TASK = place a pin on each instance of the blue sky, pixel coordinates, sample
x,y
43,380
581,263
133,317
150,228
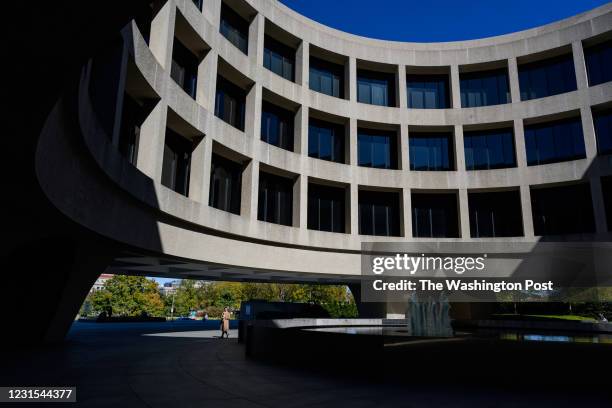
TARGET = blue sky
x,y
437,20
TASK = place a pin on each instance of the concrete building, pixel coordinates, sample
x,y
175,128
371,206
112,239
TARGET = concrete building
x,y
240,140
101,281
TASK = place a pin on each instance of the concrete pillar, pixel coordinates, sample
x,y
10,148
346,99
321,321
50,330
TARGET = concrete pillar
x,y
123,63
526,211
513,79
599,210
579,65
252,123
519,143
302,64
212,11
300,131
354,204
404,146
455,87
588,129
406,213
151,142
402,92
351,79
162,34
256,40
464,214
250,190
207,81
199,179
300,202
459,148
352,141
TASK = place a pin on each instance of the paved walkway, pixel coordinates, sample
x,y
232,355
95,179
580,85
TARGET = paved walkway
x,y
180,365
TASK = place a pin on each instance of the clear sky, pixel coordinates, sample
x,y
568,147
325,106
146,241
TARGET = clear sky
x,y
437,20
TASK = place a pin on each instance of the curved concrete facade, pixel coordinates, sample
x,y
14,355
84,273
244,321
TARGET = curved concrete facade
x,y
208,242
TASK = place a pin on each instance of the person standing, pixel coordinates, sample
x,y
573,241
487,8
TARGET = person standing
x,y
225,319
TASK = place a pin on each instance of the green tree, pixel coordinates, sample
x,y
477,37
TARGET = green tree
x,y
128,296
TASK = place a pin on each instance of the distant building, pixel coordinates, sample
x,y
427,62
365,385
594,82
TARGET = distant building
x,y
101,281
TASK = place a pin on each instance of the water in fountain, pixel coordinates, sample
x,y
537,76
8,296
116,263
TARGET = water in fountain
x,y
429,317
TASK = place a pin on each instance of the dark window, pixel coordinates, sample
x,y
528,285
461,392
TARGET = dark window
x,y
428,91
431,151
379,213
177,160
495,214
326,77
489,149
603,131
326,140
230,103
275,199
606,188
225,184
562,210
184,68
132,116
549,77
554,142
326,208
434,215
484,88
279,58
198,4
599,63
277,126
234,28
377,148
375,88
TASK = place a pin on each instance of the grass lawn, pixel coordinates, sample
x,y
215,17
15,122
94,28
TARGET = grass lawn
x,y
557,317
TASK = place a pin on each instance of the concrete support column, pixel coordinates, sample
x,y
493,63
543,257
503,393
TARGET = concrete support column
x,y
207,81
151,142
354,204
455,87
404,146
250,190
162,34
588,128
599,210
519,143
199,180
351,79
464,214
579,65
300,131
352,141
526,211
300,202
252,125
301,64
123,63
459,148
402,92
256,40
513,78
212,11
406,212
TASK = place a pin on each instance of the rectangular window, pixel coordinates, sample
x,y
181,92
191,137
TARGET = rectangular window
x,y
553,142
606,189
484,88
184,69
431,151
326,208
277,126
225,184
326,140
603,131
489,149
495,214
230,103
434,215
375,88
132,117
379,213
377,148
599,63
275,199
279,58
562,210
176,163
428,91
326,77
548,77
234,28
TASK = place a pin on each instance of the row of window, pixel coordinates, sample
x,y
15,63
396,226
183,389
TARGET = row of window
x,y
537,79
434,214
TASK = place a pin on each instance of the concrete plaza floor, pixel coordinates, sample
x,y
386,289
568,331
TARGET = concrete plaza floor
x,y
185,364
